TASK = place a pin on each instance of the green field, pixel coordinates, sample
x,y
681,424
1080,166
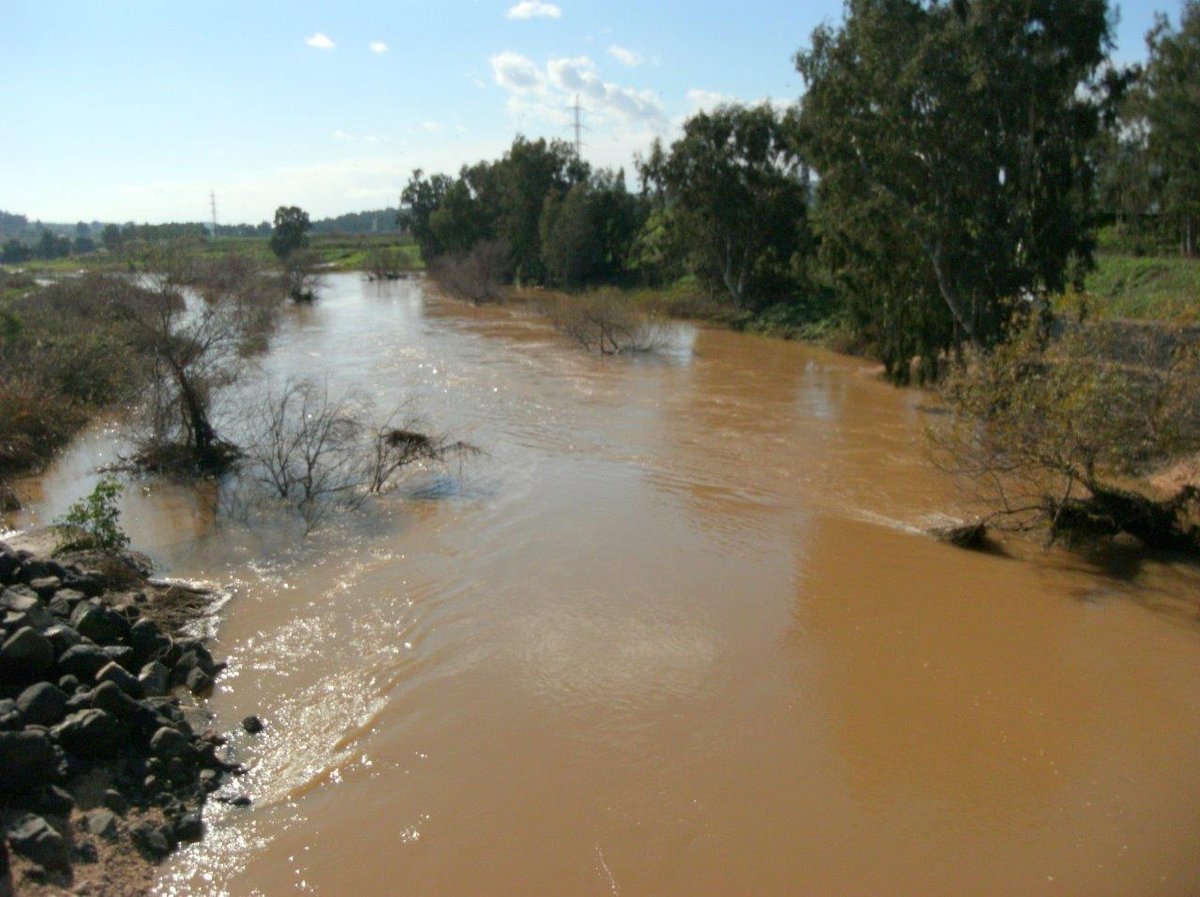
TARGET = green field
x,y
336,252
1159,288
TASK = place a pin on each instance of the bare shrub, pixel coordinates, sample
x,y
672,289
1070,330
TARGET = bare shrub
x,y
64,355
305,448
1055,435
392,448
317,452
477,276
302,275
387,263
606,322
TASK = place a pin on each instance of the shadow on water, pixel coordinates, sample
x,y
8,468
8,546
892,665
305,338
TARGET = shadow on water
x,y
1123,570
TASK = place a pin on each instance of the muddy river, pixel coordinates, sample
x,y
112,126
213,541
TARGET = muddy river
x,y
676,632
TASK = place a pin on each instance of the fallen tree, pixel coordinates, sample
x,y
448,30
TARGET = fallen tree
x,y
1059,435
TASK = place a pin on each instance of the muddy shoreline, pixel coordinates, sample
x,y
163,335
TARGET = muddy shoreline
x,y
107,754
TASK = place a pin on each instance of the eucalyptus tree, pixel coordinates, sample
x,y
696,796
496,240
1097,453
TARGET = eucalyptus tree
x,y
1169,98
738,193
950,139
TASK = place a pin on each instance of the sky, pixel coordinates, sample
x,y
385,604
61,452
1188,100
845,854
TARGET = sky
x,y
135,110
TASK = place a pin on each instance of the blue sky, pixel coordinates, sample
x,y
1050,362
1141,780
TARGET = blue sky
x,y
133,110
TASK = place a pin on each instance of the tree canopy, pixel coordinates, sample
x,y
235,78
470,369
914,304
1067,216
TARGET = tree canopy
x,y
739,192
1169,99
291,231
950,139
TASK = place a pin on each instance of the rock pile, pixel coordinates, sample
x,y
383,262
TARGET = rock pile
x,y
95,744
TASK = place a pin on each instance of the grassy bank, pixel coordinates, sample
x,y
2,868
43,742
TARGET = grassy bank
x,y
1164,288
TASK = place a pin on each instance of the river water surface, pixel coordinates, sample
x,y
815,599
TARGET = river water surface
x,y
675,633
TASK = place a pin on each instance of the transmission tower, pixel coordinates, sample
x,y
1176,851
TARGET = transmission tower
x,y
578,127
212,199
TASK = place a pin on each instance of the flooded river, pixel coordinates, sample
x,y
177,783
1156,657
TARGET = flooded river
x,y
675,633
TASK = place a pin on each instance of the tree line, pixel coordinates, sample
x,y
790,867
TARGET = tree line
x,y
726,203
949,163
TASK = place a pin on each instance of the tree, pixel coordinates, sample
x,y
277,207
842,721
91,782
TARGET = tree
x,y
738,192
477,276
194,350
570,237
15,252
529,172
291,231
950,137
111,237
52,247
1169,97
422,197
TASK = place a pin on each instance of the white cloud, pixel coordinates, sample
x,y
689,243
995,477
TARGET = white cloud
x,y
707,100
378,47
534,9
342,135
624,56
604,99
320,41
515,72
576,75
431,127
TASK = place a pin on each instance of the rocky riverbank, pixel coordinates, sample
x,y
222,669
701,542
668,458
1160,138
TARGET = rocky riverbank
x,y
106,760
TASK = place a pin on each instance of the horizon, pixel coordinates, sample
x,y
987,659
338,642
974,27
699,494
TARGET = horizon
x,y
135,113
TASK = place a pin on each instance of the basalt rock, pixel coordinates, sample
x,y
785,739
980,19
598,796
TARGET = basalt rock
x,y
86,691
83,661
43,704
120,677
28,760
45,586
101,624
25,656
94,734
36,840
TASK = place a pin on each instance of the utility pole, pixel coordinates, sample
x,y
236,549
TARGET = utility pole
x,y
212,199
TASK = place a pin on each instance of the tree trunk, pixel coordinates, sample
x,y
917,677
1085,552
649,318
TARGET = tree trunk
x,y
1109,511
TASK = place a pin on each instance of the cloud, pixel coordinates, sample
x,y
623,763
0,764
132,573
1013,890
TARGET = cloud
x,y
707,100
320,41
515,72
378,47
342,135
625,57
533,9
604,99
431,127
576,75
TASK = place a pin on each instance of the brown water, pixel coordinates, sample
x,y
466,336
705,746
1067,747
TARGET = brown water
x,y
675,634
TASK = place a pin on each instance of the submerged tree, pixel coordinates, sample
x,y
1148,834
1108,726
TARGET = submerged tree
x,y
194,349
950,139
316,452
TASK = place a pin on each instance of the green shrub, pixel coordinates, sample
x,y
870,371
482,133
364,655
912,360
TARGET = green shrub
x,y
94,521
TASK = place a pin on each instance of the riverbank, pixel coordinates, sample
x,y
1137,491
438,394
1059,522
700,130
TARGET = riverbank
x,y
107,756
